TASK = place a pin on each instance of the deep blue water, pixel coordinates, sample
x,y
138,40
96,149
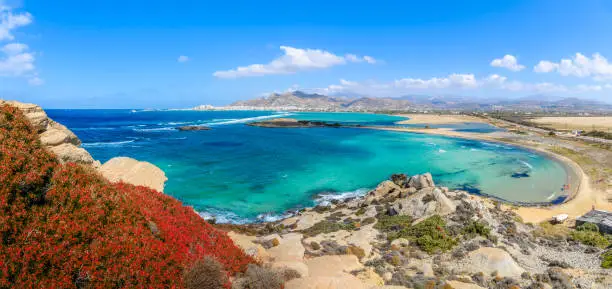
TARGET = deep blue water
x,y
242,173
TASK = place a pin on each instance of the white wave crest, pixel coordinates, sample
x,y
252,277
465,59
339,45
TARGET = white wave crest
x,y
157,129
326,199
441,151
106,144
526,164
245,120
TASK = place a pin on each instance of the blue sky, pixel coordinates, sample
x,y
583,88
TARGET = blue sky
x,y
127,54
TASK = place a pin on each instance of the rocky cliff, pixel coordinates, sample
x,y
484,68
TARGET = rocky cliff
x,y
56,137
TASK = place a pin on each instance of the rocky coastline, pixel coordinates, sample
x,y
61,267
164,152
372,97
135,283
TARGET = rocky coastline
x,y
405,233
410,233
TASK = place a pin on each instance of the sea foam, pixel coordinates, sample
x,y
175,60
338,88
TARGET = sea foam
x,y
107,144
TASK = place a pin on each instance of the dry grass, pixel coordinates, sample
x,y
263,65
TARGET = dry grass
x,y
602,123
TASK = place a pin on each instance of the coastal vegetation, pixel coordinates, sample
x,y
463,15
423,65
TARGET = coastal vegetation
x,y
65,226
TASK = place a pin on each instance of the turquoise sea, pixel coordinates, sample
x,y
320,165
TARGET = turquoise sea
x,y
239,173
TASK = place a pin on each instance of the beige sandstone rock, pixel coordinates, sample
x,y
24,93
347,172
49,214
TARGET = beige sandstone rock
x,y
489,260
246,243
134,172
290,248
331,265
340,281
56,137
67,152
57,134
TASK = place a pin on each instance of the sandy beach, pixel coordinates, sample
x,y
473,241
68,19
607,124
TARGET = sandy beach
x,y
580,201
438,119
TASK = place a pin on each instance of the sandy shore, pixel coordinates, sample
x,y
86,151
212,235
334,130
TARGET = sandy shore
x,y
580,201
438,119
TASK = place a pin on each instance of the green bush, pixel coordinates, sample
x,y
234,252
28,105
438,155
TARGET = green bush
x,y
588,234
588,227
430,234
392,225
606,260
475,228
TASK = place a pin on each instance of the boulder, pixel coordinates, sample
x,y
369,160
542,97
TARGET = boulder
x,y
57,134
134,172
489,260
400,179
424,203
68,152
421,181
383,190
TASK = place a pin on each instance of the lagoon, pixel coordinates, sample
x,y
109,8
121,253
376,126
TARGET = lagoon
x,y
240,173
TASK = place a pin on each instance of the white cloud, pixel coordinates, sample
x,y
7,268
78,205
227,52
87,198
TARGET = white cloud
x,y
183,59
292,61
369,59
14,48
508,61
10,21
36,81
597,66
17,64
15,58
454,83
453,80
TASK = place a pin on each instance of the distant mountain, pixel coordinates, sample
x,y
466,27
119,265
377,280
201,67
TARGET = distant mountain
x,y
299,100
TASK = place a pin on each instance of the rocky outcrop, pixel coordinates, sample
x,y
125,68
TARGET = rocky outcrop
x,y
134,172
56,137
292,123
192,128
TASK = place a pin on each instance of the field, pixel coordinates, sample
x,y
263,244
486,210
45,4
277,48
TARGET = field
x,y
601,123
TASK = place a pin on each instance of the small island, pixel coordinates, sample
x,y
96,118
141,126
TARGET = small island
x,y
193,128
293,123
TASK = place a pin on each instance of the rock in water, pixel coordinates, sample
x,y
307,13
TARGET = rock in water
x,y
193,128
134,172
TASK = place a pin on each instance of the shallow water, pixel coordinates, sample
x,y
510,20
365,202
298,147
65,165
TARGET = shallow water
x,y
241,173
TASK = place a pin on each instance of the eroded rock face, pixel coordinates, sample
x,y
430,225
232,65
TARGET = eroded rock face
x,y
490,260
134,172
56,137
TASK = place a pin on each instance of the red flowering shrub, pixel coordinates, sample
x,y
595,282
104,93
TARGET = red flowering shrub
x,y
64,226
